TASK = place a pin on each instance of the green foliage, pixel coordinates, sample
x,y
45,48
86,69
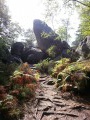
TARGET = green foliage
x,y
5,71
54,8
51,51
74,77
84,27
23,82
45,35
59,66
43,65
20,86
8,108
62,32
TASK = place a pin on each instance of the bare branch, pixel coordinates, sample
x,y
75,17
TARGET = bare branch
x,y
81,3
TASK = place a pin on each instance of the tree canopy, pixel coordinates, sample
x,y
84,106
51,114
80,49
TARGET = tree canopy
x,y
85,19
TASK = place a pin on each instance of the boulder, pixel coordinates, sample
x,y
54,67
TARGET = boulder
x,y
32,55
7,58
15,53
46,38
17,49
12,59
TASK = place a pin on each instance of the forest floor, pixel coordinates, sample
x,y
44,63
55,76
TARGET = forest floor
x,y
50,104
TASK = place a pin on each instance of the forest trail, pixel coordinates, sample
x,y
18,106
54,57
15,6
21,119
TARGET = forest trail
x,y
52,105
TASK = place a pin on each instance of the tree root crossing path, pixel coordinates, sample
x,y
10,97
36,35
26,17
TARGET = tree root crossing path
x,y
50,104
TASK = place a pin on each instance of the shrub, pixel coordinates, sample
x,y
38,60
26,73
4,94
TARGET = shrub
x,y
20,86
76,76
43,66
51,51
23,82
5,71
59,66
9,108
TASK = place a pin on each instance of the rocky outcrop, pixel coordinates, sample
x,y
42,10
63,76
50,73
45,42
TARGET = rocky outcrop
x,y
32,55
47,41
16,52
84,48
17,49
46,38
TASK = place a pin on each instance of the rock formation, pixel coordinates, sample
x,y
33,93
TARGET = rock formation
x,y
84,48
17,49
46,38
32,55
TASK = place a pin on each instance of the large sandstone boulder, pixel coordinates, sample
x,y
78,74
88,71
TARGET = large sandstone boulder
x,y
17,49
44,34
16,52
32,55
46,38
6,56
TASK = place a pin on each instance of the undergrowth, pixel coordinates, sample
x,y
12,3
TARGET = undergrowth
x,y
18,83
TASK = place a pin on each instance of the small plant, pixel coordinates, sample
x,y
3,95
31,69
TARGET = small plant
x,y
45,35
51,51
43,66
60,65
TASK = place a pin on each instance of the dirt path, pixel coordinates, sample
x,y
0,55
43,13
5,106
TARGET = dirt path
x,y
52,105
